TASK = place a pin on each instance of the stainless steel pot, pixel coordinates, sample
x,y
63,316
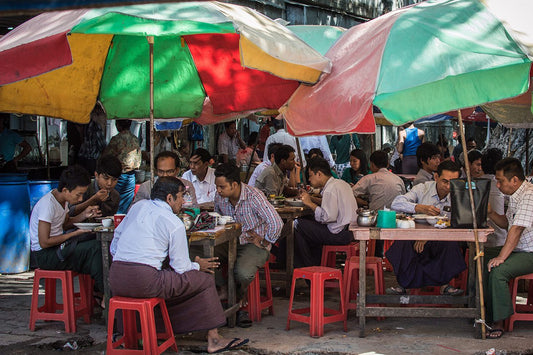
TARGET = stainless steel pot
x,y
366,218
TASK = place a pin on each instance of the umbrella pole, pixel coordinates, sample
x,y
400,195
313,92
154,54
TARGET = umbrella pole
x,y
477,258
47,151
509,143
301,159
151,44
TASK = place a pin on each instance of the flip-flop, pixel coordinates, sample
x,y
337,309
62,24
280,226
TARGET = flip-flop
x,y
495,333
396,290
452,291
235,343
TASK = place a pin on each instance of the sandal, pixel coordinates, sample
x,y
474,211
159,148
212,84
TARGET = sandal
x,y
451,291
495,333
396,290
242,320
235,343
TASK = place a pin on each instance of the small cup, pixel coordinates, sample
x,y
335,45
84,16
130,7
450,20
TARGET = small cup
x,y
118,218
107,222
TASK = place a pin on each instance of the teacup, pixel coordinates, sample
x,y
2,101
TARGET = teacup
x,y
107,222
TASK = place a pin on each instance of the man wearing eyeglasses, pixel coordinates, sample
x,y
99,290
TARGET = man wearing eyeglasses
x,y
166,164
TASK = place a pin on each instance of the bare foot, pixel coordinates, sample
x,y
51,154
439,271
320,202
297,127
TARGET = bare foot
x,y
220,344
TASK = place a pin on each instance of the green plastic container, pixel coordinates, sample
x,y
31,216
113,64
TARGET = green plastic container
x,y
386,219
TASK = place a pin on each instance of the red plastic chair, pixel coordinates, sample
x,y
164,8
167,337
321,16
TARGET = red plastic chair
x,y
74,305
256,302
351,279
520,310
146,308
329,256
316,310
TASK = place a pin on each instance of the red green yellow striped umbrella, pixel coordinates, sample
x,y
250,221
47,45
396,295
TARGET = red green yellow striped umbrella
x,y
59,63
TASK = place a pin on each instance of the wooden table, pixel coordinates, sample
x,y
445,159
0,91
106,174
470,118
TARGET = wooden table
x,y
208,240
289,214
421,232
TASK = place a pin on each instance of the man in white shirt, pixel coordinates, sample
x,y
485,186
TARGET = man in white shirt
x,y
381,186
320,142
201,176
515,257
229,143
281,136
423,263
166,164
52,248
149,234
271,150
332,217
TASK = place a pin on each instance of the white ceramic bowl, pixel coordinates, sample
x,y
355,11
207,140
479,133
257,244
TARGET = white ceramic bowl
x,y
107,222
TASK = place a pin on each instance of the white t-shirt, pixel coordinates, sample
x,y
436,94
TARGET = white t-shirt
x,y
48,209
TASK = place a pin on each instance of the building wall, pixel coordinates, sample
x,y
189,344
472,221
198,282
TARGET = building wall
x,y
344,13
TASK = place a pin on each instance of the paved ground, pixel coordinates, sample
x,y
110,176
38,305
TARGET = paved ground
x,y
391,336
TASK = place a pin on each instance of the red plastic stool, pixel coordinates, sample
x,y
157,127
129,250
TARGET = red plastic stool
x,y
329,256
520,310
74,305
351,278
316,319
146,308
329,253
256,302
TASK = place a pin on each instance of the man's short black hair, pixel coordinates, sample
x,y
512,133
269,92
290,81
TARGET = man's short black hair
x,y
315,151
474,155
252,139
283,152
380,159
425,151
166,185
228,171
449,166
109,165
489,160
272,148
123,125
319,164
278,124
203,154
470,139
511,167
228,124
73,177
167,154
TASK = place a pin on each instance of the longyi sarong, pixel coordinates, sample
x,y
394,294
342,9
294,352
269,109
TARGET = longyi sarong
x,y
191,298
438,263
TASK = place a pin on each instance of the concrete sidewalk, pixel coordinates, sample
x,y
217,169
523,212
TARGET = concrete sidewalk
x,y
390,336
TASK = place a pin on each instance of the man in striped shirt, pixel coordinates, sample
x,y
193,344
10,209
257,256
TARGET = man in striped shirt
x,y
261,224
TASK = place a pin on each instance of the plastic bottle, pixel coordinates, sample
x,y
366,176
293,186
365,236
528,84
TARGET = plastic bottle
x,y
187,198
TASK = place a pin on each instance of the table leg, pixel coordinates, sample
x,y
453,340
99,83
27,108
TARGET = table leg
x,y
361,298
290,259
105,267
232,297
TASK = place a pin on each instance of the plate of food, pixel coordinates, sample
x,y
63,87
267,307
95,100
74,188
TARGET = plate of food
x,y
277,200
295,202
88,226
425,218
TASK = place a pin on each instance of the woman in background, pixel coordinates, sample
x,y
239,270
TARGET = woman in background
x,y
358,167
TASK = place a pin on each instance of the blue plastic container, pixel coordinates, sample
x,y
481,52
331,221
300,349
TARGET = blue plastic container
x,y
14,223
40,188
